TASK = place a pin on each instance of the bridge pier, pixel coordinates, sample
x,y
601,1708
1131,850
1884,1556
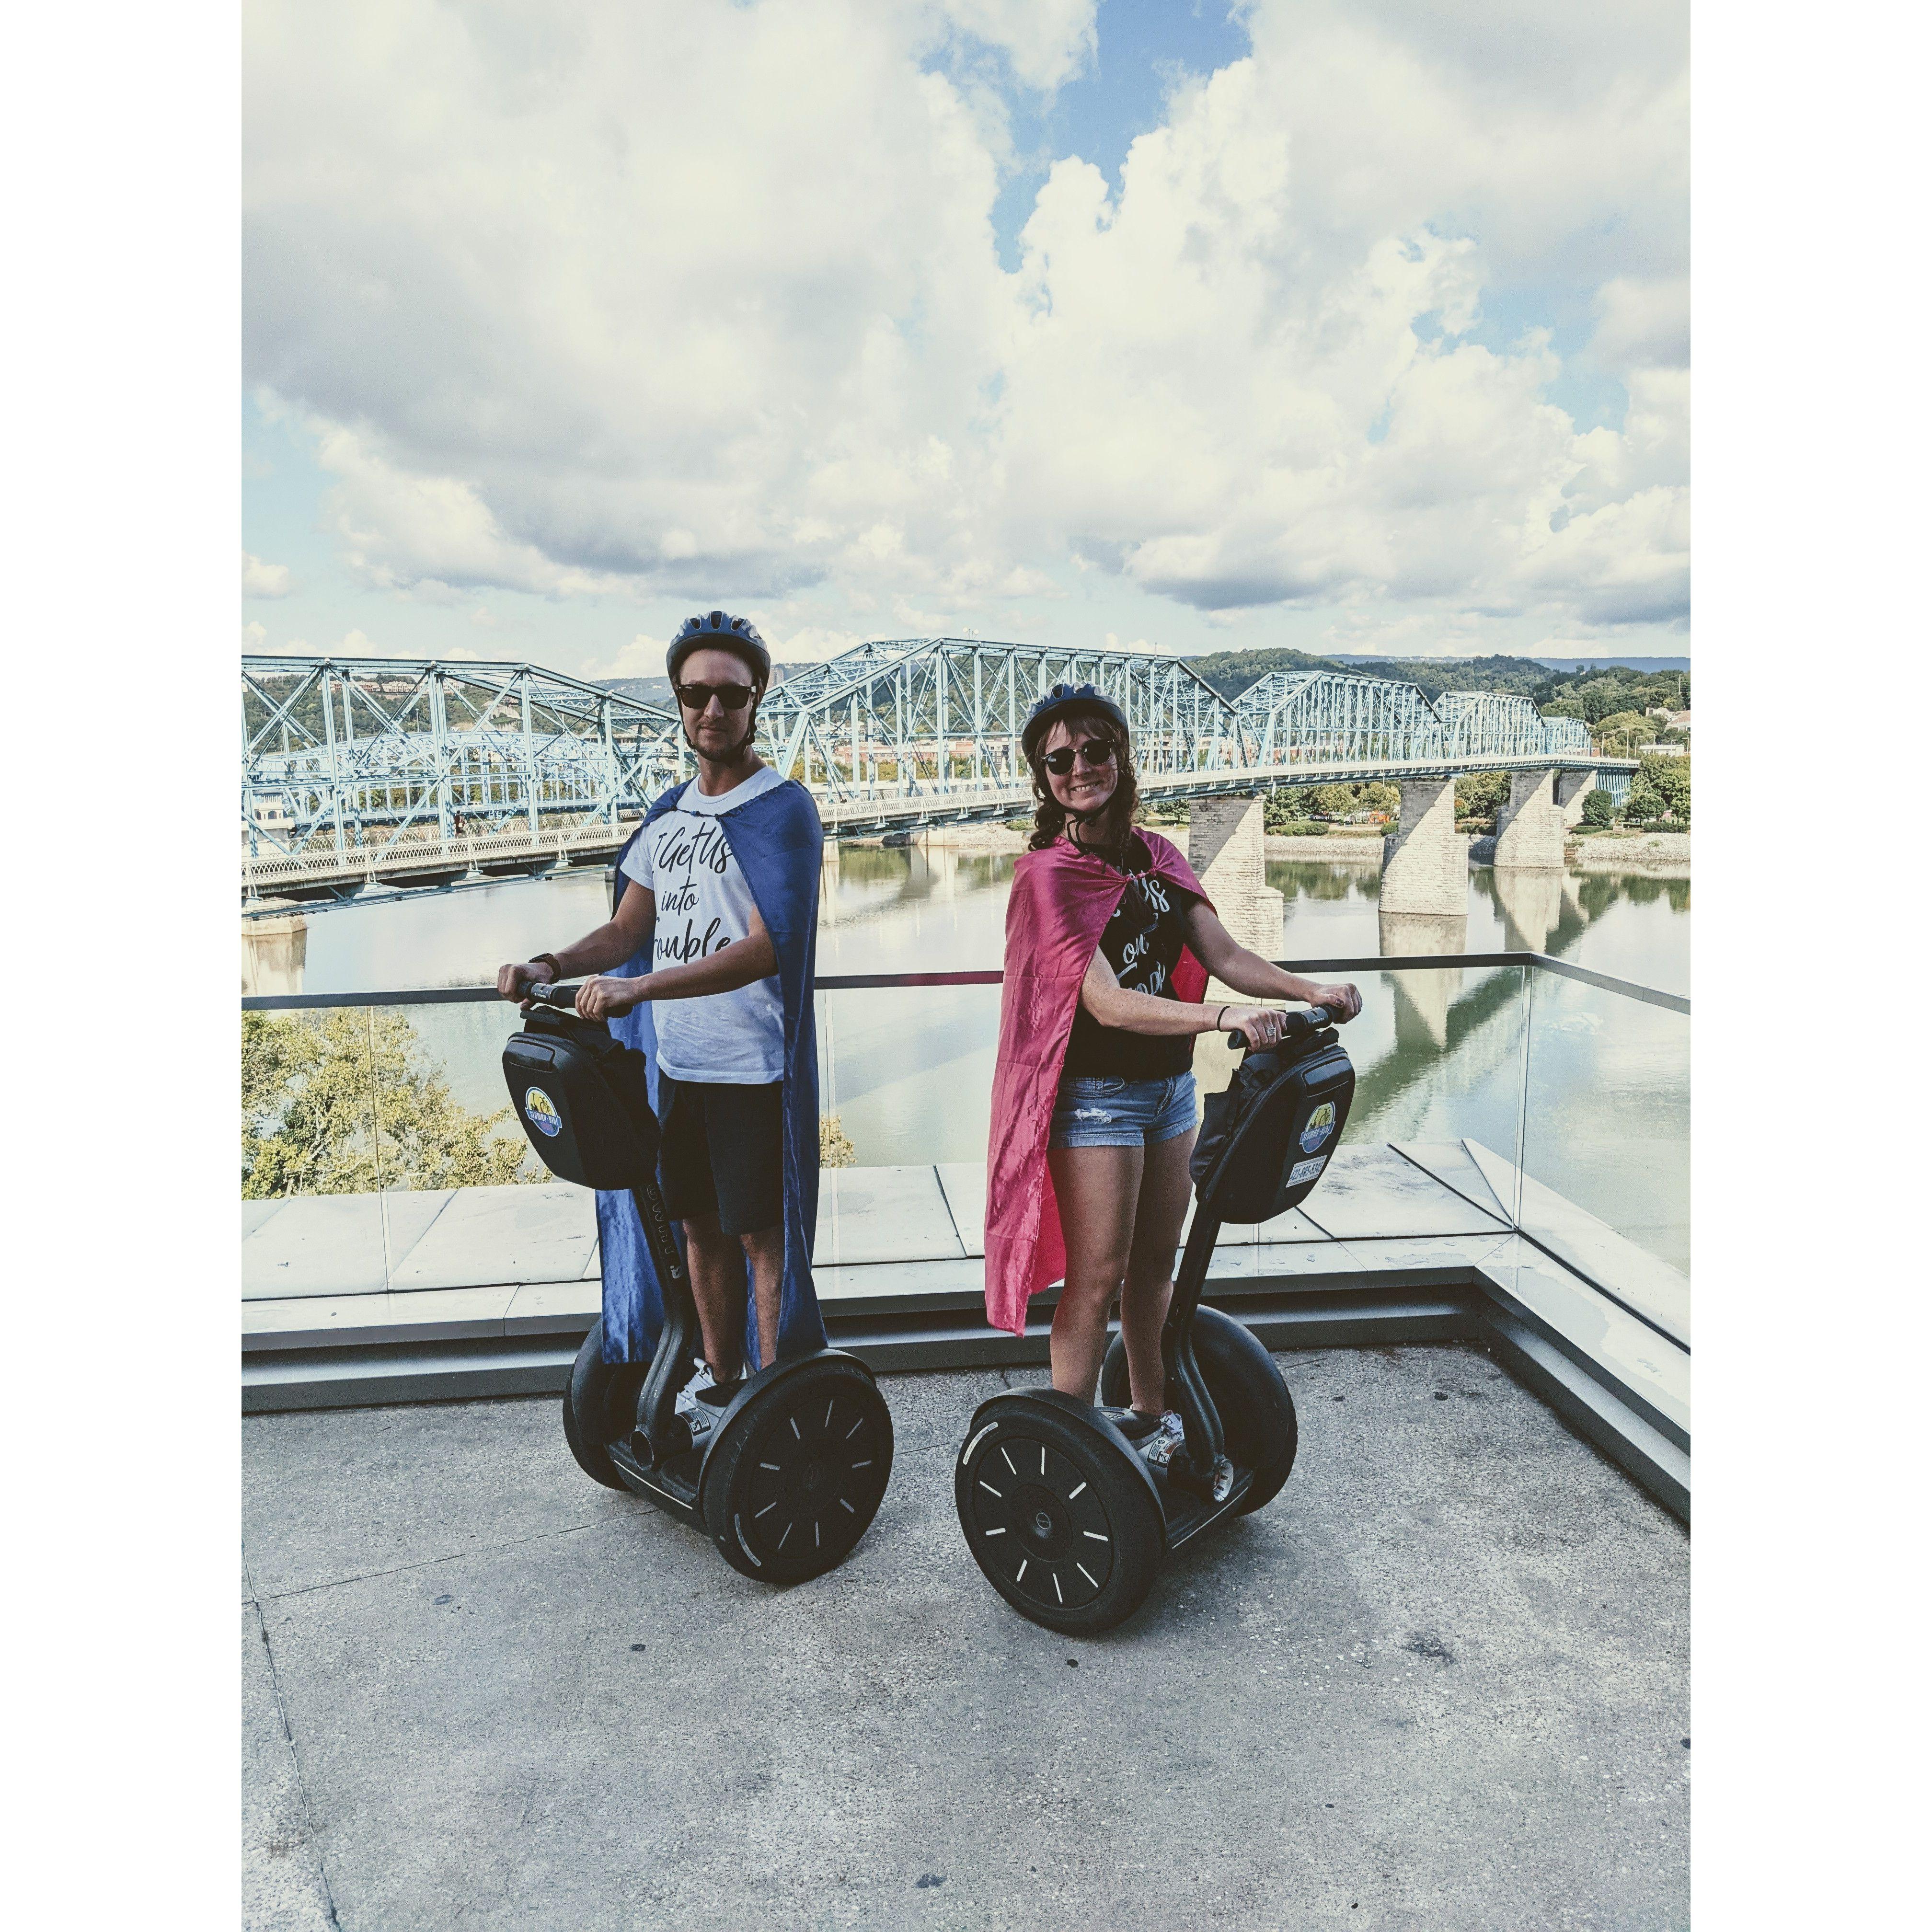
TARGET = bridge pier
x,y
1225,847
1425,860
274,950
1541,809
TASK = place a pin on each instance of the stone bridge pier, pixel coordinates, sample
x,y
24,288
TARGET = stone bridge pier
x,y
1425,860
1225,847
274,950
1543,807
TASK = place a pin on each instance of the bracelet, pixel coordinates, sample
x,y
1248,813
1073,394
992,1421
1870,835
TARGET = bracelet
x,y
1218,1018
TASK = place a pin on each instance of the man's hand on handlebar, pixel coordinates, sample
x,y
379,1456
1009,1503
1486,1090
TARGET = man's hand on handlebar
x,y
1344,1001
603,997
514,981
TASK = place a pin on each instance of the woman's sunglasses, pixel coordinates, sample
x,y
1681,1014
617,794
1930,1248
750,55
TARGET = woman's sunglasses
x,y
1093,752
697,697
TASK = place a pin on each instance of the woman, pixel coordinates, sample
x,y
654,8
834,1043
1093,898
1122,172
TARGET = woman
x,y
1110,940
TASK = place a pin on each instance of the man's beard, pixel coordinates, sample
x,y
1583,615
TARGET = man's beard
x,y
736,755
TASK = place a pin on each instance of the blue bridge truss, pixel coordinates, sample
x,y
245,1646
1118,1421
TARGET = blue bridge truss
x,y
414,772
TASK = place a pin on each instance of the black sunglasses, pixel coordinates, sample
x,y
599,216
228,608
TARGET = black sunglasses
x,y
697,697
1093,751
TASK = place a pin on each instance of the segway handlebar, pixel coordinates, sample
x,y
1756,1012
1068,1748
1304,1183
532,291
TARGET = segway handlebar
x,y
1299,1027
547,995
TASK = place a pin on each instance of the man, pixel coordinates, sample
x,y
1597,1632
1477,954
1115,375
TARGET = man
x,y
706,964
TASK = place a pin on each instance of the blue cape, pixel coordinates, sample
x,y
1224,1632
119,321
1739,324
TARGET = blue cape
x,y
778,843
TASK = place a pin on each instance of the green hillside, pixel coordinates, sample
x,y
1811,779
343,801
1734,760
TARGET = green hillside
x,y
1591,694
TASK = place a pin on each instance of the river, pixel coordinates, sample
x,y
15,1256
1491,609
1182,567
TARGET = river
x,y
1597,1108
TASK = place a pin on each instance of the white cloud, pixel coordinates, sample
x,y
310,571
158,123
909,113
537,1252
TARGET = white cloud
x,y
1250,379
643,657
1045,41
548,341
1643,324
254,637
264,580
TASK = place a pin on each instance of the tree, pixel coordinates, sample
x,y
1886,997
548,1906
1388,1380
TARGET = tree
x,y
1623,731
1331,801
343,1102
1481,794
835,1144
1660,789
1599,812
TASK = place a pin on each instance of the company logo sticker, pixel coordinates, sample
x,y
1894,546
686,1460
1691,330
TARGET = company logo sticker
x,y
1321,1125
541,1112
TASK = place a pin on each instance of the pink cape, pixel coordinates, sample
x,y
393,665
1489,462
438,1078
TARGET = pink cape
x,y
1060,900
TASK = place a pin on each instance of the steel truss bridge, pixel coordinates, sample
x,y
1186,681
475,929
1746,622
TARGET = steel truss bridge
x,y
417,772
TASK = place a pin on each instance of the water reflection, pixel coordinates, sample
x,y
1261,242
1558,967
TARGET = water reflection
x,y
1533,901
1422,999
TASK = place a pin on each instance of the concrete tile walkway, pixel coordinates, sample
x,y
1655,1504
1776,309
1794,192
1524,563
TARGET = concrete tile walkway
x,y
1439,1683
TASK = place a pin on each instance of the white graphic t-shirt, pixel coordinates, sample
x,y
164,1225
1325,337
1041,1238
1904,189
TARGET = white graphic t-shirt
x,y
704,905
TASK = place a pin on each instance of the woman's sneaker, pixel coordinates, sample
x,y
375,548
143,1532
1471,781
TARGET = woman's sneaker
x,y
1134,1424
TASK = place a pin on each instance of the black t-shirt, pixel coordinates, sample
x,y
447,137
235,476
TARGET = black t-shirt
x,y
1143,943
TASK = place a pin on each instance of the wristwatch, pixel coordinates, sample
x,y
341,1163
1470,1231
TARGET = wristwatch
x,y
549,959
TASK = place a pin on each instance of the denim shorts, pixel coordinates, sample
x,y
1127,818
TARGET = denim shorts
x,y
1096,1110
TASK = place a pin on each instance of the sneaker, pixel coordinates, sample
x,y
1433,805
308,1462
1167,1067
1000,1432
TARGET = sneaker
x,y
696,1414
1133,1423
1166,1440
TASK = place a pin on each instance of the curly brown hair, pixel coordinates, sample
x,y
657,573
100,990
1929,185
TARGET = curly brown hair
x,y
1049,817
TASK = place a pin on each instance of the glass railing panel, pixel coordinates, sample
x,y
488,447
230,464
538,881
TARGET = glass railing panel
x,y
467,1202
360,1126
1606,1161
312,1220
1487,1096
1439,1059
443,1110
906,1073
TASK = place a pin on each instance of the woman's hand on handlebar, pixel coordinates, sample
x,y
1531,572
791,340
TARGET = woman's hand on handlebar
x,y
1344,1001
514,981
603,997
1261,1026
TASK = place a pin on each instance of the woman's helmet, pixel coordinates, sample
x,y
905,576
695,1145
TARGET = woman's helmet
x,y
717,631
1064,697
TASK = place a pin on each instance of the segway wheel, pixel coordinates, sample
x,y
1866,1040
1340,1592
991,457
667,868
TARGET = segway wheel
x,y
600,1405
1062,1527
800,1473
1257,1411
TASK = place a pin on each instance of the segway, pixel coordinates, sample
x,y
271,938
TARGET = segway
x,y
784,1470
1069,1518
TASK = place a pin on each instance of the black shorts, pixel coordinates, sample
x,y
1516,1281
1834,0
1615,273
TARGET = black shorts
x,y
723,1153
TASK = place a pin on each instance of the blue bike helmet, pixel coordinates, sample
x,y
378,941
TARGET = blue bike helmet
x,y
1063,698
717,631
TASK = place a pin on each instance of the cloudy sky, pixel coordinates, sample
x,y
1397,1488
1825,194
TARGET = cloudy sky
x,y
1358,326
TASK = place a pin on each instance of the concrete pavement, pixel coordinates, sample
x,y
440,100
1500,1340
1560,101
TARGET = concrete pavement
x,y
1440,1682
